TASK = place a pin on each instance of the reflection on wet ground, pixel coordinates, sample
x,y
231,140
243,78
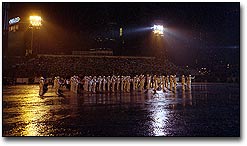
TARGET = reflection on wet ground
x,y
206,110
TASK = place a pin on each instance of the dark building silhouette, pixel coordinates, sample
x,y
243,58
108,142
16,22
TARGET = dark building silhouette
x,y
5,8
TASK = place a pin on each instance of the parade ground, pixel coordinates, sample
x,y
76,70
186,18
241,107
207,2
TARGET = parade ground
x,y
208,109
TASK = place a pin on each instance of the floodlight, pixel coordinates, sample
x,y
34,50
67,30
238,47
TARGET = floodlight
x,y
35,20
158,29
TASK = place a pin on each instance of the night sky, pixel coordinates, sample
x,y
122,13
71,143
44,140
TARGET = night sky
x,y
202,33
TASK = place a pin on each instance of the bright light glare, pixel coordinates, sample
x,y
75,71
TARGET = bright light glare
x,y
35,20
158,29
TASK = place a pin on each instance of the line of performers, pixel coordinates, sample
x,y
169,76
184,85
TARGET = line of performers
x,y
117,84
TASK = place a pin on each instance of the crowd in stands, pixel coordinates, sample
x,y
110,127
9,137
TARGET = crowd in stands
x,y
66,66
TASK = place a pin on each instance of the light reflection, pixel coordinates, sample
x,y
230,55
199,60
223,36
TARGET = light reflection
x,y
159,110
73,101
33,112
159,116
33,117
190,97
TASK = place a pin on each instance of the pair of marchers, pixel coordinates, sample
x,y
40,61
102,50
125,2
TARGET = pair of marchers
x,y
45,89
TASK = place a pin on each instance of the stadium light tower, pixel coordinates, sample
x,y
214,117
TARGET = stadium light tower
x,y
158,30
35,22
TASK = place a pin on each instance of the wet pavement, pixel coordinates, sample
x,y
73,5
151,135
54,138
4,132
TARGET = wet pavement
x,y
206,110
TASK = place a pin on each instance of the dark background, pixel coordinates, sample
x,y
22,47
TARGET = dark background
x,y
201,34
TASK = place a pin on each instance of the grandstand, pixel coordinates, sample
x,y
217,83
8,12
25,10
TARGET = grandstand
x,y
69,65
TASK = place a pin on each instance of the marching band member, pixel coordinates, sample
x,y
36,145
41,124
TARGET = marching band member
x,y
77,81
57,85
41,86
86,82
113,80
94,82
189,82
118,82
137,82
175,82
128,84
134,80
125,83
71,83
108,83
142,81
100,83
90,84
104,83
171,82
148,81
183,82
166,81
122,84
155,83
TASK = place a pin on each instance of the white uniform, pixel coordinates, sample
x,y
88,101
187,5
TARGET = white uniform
x,y
118,82
85,85
72,84
100,83
142,81
41,86
94,81
166,81
163,83
90,84
125,83
122,84
189,82
133,83
148,82
128,84
137,82
104,82
155,83
171,82
108,83
175,82
56,85
183,82
77,80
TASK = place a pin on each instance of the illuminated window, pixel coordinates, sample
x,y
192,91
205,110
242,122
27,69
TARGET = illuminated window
x,y
11,28
121,31
16,27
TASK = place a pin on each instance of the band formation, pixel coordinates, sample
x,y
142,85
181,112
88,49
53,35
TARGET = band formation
x,y
111,84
